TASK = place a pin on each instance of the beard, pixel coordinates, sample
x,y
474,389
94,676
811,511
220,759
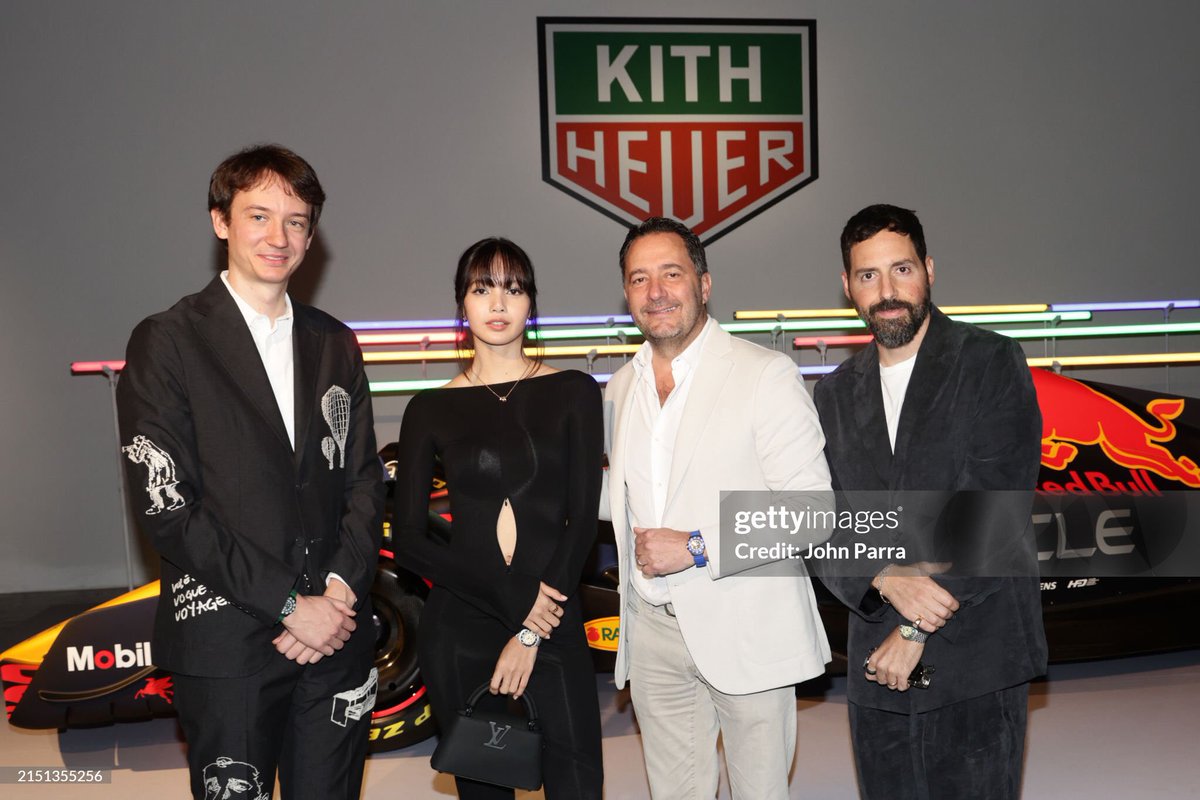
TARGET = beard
x,y
897,331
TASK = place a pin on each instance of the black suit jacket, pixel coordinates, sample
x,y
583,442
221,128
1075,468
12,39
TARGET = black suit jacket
x,y
239,518
969,422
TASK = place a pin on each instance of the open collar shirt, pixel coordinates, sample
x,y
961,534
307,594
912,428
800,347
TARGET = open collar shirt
x,y
274,344
650,450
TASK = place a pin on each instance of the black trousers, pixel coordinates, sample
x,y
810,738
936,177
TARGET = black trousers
x,y
458,651
973,750
310,723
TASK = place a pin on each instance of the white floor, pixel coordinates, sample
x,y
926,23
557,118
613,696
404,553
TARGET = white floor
x,y
1122,729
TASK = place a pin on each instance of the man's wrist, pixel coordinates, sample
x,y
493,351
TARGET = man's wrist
x,y
289,606
877,582
911,632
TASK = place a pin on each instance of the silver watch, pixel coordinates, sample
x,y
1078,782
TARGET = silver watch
x,y
528,638
912,633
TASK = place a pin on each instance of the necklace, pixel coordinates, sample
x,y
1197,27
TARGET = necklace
x,y
503,398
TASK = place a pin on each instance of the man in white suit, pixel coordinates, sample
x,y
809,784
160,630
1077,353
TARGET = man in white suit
x,y
708,645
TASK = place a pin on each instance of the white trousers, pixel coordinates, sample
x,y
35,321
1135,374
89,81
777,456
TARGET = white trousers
x,y
680,716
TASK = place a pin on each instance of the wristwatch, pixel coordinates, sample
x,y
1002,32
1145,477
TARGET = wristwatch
x,y
910,632
528,638
289,605
695,546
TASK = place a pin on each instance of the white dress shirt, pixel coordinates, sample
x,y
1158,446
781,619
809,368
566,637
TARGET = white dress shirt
x,y
274,343
652,430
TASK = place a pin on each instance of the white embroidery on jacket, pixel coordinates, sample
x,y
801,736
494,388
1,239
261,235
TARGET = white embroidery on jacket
x,y
161,481
335,407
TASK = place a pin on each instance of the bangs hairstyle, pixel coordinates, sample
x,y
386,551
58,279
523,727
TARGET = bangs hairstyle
x,y
258,164
494,262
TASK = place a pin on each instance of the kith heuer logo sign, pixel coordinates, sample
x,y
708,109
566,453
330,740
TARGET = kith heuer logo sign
x,y
706,121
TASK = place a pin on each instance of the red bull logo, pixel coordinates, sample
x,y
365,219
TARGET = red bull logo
x,y
158,687
603,633
16,678
1074,414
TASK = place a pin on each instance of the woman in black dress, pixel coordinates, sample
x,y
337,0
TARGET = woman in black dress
x,y
521,446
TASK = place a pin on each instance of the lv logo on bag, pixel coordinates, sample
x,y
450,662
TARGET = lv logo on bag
x,y
498,733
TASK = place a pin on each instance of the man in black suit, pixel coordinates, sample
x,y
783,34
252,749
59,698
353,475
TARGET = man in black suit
x,y
934,411
247,418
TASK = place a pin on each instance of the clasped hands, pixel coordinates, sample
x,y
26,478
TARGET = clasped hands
x,y
918,599
320,625
515,664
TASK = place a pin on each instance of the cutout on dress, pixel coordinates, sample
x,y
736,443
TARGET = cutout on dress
x,y
506,531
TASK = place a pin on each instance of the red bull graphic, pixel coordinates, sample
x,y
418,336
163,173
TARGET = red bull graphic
x,y
1132,433
16,678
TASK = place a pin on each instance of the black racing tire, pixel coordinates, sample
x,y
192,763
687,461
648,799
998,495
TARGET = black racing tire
x,y
402,716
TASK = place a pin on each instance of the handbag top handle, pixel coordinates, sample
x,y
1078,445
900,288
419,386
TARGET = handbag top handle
x,y
530,708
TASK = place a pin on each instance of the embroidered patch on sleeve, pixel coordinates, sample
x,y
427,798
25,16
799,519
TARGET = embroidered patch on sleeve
x,y
191,599
335,407
161,481
226,778
354,704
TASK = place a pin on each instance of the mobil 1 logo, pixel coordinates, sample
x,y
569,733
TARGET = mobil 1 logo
x,y
706,121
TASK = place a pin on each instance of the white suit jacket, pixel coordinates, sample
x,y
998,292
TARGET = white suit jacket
x,y
749,424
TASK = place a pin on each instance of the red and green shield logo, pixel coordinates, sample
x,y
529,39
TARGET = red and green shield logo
x,y
706,121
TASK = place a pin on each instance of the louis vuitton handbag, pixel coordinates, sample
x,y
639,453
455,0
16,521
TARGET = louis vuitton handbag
x,y
492,746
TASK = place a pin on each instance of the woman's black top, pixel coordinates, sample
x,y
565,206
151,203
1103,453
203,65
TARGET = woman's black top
x,y
541,449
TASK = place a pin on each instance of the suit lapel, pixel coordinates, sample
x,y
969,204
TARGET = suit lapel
x,y
307,344
707,385
928,380
622,408
868,413
222,326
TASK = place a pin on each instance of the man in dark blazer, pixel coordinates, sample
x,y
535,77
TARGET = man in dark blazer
x,y
932,410
247,418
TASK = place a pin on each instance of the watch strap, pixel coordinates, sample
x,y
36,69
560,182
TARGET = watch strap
x,y
701,558
289,606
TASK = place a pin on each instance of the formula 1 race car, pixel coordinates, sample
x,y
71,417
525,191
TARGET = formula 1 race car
x,y
1115,485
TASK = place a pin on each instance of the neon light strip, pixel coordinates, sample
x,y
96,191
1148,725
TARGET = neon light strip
x,y
586,333
400,324
95,367
400,356
1115,361
1143,305
401,386
826,325
816,313
378,339
830,341
1103,330
411,324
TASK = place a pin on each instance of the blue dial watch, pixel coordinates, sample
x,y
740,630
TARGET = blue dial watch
x,y
695,546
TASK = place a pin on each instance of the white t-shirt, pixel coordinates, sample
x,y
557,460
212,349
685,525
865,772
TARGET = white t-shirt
x,y
894,382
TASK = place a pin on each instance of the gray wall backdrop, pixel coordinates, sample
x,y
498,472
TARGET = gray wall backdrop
x,y
1049,147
